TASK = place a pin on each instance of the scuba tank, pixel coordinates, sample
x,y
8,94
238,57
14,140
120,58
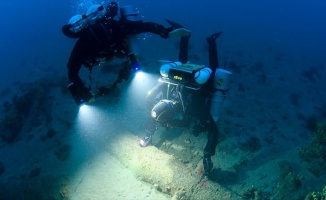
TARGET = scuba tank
x,y
80,22
221,85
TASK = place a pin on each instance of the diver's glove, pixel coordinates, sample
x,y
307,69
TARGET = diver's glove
x,y
208,164
133,62
80,94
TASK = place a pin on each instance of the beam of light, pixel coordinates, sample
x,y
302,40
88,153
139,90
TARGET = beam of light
x,y
93,123
139,86
142,80
140,74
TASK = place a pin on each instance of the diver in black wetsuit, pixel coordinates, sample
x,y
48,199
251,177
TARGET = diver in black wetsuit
x,y
174,104
103,40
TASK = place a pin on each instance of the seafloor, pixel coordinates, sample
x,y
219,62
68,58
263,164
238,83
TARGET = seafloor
x,y
269,145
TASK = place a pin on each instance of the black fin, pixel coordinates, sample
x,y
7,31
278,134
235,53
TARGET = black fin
x,y
213,37
174,24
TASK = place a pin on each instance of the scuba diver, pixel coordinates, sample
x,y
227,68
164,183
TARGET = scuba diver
x,y
184,97
101,37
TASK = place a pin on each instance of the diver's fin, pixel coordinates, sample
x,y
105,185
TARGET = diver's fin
x,y
213,37
174,24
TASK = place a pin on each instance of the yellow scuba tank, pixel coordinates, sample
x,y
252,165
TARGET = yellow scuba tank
x,y
221,83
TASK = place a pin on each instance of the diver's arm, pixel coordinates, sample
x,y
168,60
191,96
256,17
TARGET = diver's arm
x,y
183,49
212,50
137,27
79,92
75,63
212,137
155,28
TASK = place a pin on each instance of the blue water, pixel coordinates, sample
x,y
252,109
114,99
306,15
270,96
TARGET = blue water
x,y
296,27
288,37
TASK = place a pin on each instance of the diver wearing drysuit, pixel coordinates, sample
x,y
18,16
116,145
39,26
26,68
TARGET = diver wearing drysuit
x,y
176,103
103,40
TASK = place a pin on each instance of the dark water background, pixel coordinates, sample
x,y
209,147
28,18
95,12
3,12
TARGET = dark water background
x,y
31,35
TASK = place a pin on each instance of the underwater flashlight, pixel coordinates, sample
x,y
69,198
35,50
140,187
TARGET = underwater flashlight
x,y
80,95
134,63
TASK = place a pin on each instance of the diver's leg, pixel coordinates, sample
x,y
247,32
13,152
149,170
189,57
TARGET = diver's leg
x,y
183,49
212,50
210,148
150,129
74,64
184,40
79,92
212,137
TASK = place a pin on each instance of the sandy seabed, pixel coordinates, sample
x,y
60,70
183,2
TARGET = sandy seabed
x,y
97,156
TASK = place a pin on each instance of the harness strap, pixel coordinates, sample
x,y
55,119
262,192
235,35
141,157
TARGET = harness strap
x,y
179,88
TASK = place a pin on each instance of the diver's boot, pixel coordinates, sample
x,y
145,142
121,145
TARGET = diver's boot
x,y
213,37
146,140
